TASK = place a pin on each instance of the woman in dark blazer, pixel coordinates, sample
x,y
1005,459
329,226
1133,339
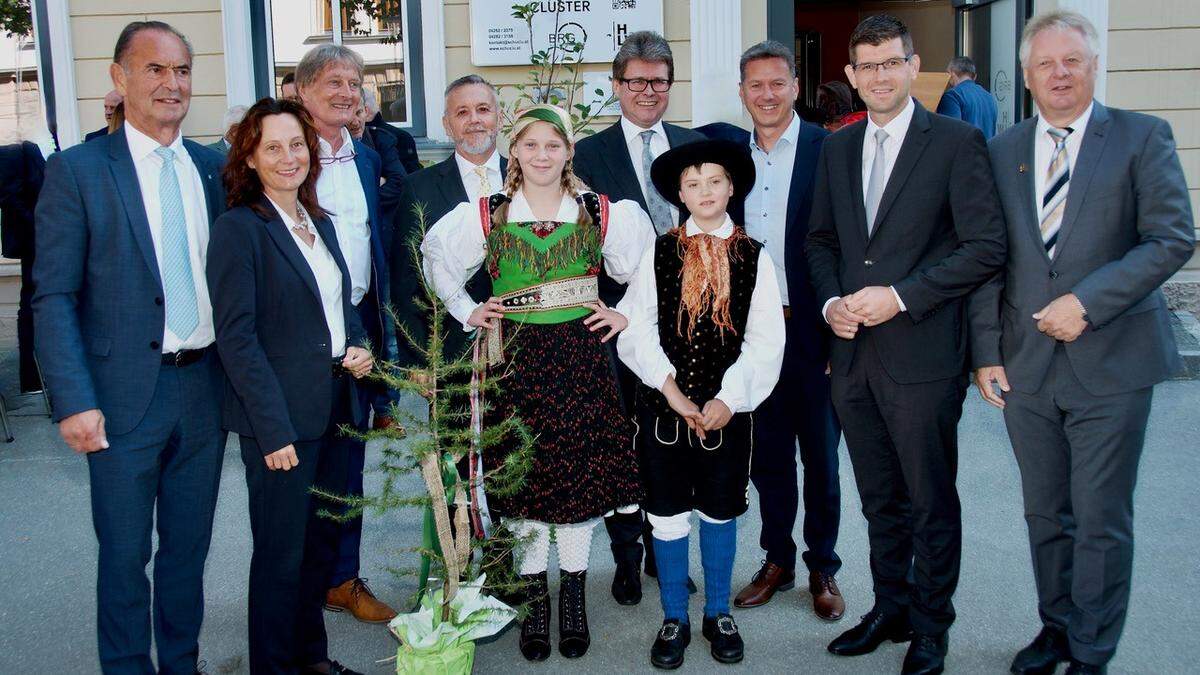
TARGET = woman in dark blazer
x,y
292,346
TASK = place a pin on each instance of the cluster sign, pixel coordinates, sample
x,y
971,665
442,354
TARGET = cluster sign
x,y
499,39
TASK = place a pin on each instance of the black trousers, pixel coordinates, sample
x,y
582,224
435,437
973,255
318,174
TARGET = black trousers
x,y
798,410
294,548
1078,454
903,443
30,381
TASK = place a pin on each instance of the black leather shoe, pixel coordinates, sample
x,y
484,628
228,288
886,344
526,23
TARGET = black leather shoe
x,y
574,638
673,639
875,627
1042,655
653,574
627,584
1081,668
535,628
926,655
722,634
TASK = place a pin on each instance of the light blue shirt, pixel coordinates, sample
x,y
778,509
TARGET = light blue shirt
x,y
766,205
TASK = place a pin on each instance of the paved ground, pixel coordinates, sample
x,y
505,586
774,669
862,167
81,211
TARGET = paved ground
x,y
47,569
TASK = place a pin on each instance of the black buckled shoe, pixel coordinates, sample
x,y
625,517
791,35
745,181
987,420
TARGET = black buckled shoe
x,y
535,628
926,655
672,640
627,584
1081,668
723,637
573,635
875,627
1042,656
335,668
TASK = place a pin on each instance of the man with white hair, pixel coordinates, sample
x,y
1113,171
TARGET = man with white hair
x,y
228,123
111,100
404,140
1074,330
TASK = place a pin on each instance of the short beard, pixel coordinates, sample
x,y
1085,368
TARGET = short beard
x,y
483,148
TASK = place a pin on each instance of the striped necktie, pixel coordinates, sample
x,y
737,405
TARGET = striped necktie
x,y
179,285
1058,180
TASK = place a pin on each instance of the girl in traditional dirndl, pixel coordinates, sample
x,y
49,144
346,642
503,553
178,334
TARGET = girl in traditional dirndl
x,y
543,240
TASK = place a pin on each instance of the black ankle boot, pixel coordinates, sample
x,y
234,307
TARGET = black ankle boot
x,y
573,635
535,629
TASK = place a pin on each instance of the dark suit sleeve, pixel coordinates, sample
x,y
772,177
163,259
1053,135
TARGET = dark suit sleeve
x,y
1165,229
232,283
584,163
979,226
983,316
406,279
58,274
393,175
822,247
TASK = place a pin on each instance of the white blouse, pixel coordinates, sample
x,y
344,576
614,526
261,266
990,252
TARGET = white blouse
x,y
328,275
455,247
752,377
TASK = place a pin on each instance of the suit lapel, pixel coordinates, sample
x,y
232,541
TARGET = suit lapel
x,y
125,177
1025,169
287,245
450,184
856,184
915,141
620,164
211,179
1090,152
802,167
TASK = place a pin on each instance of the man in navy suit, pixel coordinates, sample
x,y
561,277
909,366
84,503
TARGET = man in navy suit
x,y
785,151
616,162
124,332
966,99
329,82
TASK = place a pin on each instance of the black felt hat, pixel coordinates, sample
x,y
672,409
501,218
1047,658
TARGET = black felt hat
x,y
735,157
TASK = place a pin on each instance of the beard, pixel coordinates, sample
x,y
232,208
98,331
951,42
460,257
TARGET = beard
x,y
484,146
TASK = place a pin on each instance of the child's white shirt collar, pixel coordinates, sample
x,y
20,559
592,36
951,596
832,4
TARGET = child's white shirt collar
x,y
722,232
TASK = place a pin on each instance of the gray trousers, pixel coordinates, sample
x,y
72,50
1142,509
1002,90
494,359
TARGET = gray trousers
x,y
1078,456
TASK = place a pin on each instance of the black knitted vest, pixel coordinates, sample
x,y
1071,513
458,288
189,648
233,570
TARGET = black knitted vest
x,y
700,362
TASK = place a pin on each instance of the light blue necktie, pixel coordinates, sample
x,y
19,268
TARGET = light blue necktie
x,y
660,210
179,286
877,181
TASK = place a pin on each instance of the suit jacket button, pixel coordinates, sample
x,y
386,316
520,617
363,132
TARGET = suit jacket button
x,y
1053,274
158,301
868,263
154,344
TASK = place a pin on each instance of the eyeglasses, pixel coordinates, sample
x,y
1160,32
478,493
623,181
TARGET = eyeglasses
x,y
639,84
885,66
342,159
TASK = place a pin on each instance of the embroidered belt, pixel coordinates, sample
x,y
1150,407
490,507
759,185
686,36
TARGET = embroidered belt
x,y
561,294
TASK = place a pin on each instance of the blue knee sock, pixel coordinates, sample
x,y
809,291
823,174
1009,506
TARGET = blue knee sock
x,y
718,543
672,559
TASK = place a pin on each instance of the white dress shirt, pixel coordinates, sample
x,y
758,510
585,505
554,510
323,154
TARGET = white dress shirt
x,y
658,145
1043,150
896,130
470,178
329,277
767,203
752,377
340,191
455,248
147,164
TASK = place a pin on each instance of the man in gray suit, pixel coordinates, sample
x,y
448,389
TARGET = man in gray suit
x,y
1074,331
124,329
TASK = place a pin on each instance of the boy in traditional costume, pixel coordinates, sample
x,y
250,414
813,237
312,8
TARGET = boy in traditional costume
x,y
705,337
543,239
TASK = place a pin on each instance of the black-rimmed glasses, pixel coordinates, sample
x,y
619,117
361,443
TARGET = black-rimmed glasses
x,y
342,159
890,64
640,83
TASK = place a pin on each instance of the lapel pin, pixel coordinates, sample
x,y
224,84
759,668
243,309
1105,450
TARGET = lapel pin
x,y
1021,168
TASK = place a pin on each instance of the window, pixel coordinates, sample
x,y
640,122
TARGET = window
x,y
377,29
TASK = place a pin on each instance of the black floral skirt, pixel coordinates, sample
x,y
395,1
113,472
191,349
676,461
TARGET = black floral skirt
x,y
561,383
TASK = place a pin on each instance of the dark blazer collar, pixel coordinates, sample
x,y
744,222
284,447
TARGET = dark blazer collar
x,y
125,177
286,243
1086,166
615,153
910,152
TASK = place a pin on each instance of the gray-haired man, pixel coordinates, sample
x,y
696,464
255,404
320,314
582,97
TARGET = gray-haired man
x,y
1074,330
616,162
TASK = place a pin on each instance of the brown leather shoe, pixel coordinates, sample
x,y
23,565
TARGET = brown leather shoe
x,y
762,587
827,598
383,422
355,597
